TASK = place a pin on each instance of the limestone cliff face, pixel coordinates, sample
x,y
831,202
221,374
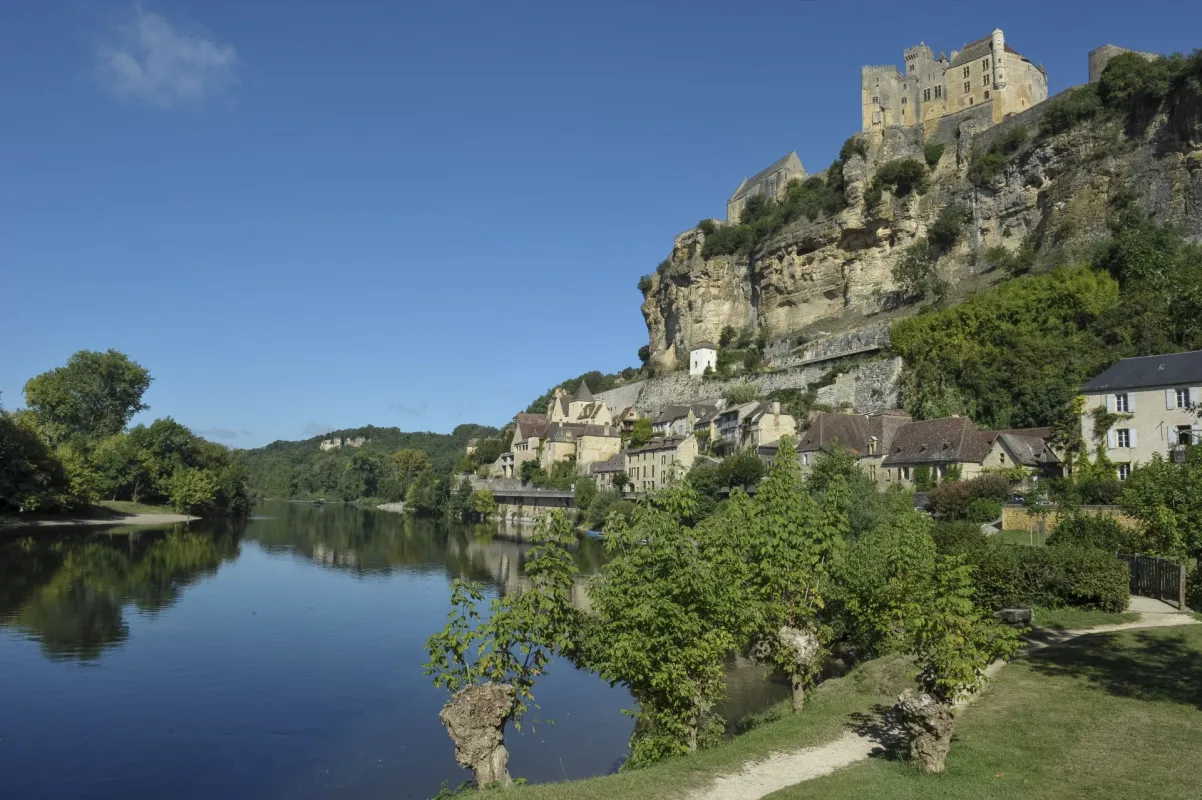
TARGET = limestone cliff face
x,y
1056,189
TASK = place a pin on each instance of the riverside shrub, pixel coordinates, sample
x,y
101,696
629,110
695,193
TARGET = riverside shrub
x,y
1012,575
956,500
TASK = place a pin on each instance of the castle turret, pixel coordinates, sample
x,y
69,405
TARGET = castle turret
x,y
999,59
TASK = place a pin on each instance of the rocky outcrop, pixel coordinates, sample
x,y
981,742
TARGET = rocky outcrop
x,y
1057,190
928,726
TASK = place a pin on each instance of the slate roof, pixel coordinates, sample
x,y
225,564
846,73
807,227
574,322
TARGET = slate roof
x,y
779,164
612,464
1030,451
565,431
583,394
980,48
704,346
1149,371
530,425
669,414
850,430
658,443
952,439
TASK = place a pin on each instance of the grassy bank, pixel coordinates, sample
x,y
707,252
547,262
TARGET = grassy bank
x,y
829,709
1110,715
1106,715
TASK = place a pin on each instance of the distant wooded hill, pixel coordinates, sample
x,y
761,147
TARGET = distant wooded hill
x,y
302,469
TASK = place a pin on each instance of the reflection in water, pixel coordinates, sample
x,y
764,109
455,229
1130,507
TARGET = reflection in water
x,y
274,657
69,592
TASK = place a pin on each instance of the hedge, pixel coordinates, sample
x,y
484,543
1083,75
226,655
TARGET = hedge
x,y
1014,576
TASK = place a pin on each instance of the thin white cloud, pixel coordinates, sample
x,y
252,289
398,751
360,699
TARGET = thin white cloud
x,y
152,61
219,433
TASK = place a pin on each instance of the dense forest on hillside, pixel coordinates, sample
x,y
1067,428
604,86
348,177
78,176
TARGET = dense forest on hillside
x,y
388,464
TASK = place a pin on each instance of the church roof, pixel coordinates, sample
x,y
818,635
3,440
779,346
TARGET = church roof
x,y
790,161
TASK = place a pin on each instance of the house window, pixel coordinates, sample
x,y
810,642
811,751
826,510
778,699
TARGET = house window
x,y
876,101
984,80
986,94
938,91
1124,471
904,101
1122,403
1001,457
926,95
1186,435
967,87
903,473
1122,437
1182,398
966,72
985,63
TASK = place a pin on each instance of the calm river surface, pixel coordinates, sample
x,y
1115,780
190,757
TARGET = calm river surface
x,y
276,658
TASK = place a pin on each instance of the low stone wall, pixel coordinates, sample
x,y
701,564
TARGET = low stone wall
x,y
1018,518
865,340
867,388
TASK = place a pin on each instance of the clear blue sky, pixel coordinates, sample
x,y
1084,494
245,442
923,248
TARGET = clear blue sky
x,y
309,215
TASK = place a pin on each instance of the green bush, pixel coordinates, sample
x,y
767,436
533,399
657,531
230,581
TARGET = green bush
x,y
946,229
955,500
983,509
707,226
989,164
933,152
854,146
1193,589
1054,577
1100,531
645,284
958,537
903,176
1071,109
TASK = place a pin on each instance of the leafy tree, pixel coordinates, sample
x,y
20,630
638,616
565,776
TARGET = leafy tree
x,y
95,395
1166,498
31,478
886,575
585,491
933,152
460,504
409,463
743,469
531,472
641,433
657,629
490,666
741,393
193,491
484,504
955,643
645,354
903,176
620,480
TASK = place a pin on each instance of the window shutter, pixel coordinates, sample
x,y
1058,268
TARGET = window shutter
x,y
1110,405
1170,399
1193,395
1112,439
1197,434
1130,401
1133,438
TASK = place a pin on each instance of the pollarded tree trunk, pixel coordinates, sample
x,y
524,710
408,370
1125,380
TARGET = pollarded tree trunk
x,y
802,647
928,723
475,719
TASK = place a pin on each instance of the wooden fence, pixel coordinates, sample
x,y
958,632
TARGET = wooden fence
x,y
1155,577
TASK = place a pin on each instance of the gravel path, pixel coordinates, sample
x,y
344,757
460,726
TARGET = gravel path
x,y
780,770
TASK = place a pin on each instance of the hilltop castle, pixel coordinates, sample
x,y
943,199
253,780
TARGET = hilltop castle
x,y
987,71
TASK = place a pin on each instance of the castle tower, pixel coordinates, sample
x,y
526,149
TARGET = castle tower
x,y
999,59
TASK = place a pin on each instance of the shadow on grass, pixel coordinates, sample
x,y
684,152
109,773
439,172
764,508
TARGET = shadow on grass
x,y
882,727
1154,666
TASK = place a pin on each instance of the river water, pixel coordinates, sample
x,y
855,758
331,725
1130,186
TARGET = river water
x,y
278,657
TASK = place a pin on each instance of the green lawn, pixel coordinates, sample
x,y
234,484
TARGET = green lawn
x,y
1075,619
1109,715
828,711
1022,537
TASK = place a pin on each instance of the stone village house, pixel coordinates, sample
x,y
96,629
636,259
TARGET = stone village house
x,y
660,462
1156,398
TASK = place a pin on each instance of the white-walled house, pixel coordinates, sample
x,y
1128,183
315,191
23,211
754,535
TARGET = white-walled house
x,y
1157,397
704,355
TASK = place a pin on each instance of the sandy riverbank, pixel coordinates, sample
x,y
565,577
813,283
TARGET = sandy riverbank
x,y
10,523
